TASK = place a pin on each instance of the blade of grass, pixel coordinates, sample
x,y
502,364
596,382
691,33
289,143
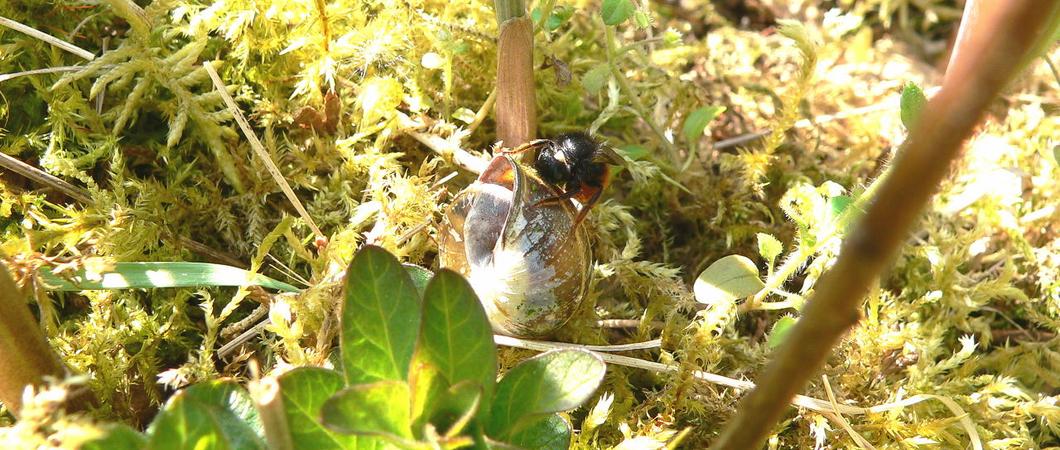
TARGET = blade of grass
x,y
143,275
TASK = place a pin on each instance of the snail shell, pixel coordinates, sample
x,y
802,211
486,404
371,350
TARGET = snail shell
x,y
529,268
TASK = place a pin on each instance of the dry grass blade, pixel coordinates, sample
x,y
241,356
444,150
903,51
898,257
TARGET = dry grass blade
x,y
46,70
260,150
47,38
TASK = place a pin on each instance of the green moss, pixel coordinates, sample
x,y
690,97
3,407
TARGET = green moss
x,y
969,312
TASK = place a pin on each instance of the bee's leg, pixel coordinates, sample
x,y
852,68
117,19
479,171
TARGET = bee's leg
x,y
532,145
558,199
585,208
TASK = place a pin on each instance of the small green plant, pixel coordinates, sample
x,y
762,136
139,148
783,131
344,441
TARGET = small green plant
x,y
417,369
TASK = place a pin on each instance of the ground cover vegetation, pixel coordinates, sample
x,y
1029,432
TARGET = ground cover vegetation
x,y
753,133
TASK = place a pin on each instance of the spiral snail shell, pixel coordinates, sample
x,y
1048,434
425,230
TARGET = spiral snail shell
x,y
527,265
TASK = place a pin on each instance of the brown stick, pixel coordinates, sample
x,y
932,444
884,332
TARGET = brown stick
x,y
998,43
25,357
516,110
972,11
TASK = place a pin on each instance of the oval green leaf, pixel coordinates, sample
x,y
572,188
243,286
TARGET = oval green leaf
x,y
551,432
380,318
596,78
455,335
697,122
376,409
911,104
545,384
780,331
304,391
728,279
210,415
615,12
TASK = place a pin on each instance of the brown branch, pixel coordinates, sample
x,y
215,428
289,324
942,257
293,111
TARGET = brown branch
x,y
997,45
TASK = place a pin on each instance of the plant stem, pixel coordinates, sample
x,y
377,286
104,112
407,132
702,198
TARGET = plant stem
x,y
269,403
516,108
509,9
999,42
325,29
25,356
800,256
1052,67
638,105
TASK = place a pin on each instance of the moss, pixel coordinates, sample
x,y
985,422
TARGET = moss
x,y
969,312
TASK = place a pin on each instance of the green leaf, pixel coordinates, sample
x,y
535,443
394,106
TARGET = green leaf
x,y
377,409
380,318
210,415
464,115
615,12
551,432
117,437
304,391
596,78
556,19
780,331
641,19
769,247
697,122
420,277
634,151
452,411
728,279
839,204
142,275
545,384
456,336
912,103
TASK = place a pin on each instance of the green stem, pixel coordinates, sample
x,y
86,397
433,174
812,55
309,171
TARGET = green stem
x,y
623,84
509,9
633,45
1052,67
801,256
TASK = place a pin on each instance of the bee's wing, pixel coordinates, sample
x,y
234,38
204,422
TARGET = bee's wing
x,y
606,154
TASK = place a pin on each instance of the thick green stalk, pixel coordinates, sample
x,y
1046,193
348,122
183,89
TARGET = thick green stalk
x,y
509,9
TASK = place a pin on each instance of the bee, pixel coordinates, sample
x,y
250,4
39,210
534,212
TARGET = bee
x,y
576,165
